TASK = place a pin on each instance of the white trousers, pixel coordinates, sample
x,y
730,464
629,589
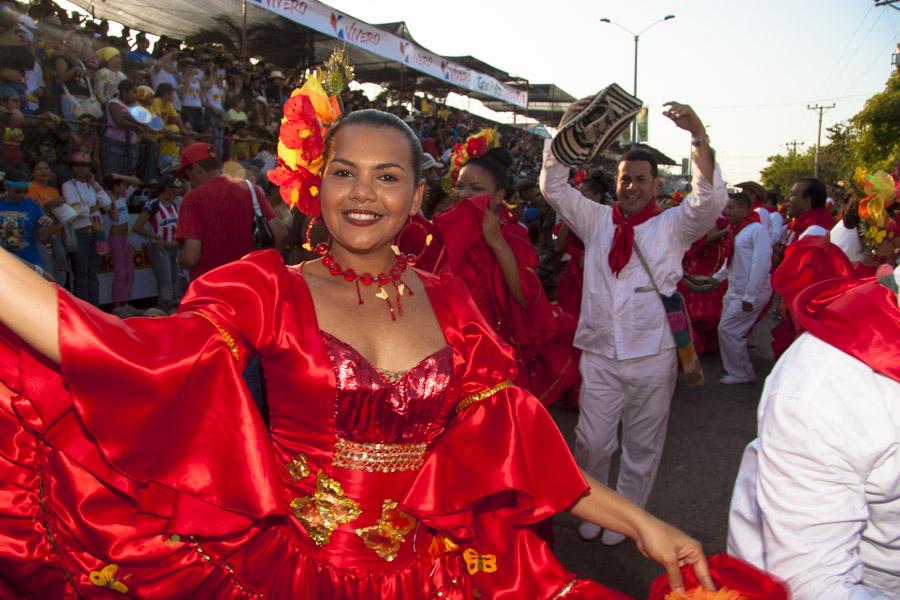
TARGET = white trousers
x,y
734,327
638,392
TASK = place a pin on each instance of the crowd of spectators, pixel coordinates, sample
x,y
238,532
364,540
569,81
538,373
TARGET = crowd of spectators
x,y
94,124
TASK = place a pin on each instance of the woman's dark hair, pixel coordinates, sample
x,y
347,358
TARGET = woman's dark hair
x,y
497,162
162,89
376,118
34,163
126,85
596,183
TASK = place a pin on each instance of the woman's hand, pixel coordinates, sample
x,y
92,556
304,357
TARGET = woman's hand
x,y
490,227
672,548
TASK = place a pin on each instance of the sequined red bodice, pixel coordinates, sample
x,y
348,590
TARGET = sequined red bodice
x,y
374,406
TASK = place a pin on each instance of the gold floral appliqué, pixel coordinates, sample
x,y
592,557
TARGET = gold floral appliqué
x,y
324,510
385,536
298,468
106,577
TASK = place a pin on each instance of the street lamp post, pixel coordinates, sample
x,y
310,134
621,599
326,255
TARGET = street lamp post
x,y
637,38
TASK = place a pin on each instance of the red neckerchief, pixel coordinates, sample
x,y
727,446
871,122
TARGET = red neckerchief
x,y
817,216
756,204
733,231
623,239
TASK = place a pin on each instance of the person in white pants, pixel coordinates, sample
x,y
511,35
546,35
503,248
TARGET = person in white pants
x,y
749,286
628,363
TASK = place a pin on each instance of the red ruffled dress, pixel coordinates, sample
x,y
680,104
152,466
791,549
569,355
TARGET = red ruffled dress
x,y
143,467
542,333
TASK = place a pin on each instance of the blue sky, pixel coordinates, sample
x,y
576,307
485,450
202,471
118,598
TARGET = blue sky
x,y
749,68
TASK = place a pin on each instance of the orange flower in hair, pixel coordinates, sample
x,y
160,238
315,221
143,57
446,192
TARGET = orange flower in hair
x,y
298,187
300,129
308,113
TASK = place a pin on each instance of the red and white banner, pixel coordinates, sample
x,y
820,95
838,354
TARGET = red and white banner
x,y
324,19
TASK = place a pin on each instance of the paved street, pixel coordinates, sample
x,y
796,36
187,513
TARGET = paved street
x,y
708,429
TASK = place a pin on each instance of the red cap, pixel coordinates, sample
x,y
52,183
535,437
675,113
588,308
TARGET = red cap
x,y
194,153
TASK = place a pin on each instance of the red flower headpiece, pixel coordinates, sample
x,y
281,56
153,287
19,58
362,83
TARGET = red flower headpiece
x,y
307,116
475,145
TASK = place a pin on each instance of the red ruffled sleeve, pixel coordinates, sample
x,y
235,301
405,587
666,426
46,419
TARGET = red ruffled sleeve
x,y
500,466
157,408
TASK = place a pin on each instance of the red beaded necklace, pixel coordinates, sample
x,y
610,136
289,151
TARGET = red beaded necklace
x,y
392,277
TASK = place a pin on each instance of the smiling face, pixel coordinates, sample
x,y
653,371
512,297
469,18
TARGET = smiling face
x,y
369,188
635,185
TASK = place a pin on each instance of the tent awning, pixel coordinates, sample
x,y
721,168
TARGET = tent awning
x,y
302,33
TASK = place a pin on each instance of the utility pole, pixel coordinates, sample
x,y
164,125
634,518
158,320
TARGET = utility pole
x,y
792,146
821,109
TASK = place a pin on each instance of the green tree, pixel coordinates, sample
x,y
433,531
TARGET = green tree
x,y
877,144
783,170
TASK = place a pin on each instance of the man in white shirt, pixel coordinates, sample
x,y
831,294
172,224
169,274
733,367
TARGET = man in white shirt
x,y
817,498
628,363
776,221
87,198
749,287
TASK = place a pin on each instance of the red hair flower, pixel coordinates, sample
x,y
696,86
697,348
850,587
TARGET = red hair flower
x,y
299,187
476,146
300,129
579,177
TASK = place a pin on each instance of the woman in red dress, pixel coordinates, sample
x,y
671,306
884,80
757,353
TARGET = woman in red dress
x,y
703,258
395,458
492,254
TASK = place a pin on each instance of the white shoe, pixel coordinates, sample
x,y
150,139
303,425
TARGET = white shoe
x,y
732,380
588,531
611,538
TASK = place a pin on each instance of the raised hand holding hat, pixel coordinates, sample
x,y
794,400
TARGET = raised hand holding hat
x,y
591,125
684,117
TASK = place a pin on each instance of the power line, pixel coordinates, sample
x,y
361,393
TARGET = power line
x,y
843,53
783,104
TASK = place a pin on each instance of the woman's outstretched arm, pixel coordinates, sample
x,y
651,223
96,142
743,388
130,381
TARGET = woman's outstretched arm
x,y
29,306
656,539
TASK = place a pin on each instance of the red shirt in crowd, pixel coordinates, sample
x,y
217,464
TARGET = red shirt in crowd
x,y
219,214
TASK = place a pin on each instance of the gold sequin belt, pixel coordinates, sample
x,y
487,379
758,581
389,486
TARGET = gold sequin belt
x,y
381,458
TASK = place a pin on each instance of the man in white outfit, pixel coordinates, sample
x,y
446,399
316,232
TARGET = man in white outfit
x,y
628,363
817,498
749,286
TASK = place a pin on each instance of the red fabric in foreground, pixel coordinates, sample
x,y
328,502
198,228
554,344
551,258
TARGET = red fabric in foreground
x,y
808,261
148,431
729,572
859,318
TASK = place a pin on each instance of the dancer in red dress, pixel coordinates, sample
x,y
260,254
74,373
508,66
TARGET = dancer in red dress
x,y
704,258
492,254
395,462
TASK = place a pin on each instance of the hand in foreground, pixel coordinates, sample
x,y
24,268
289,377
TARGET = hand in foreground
x,y
684,117
672,548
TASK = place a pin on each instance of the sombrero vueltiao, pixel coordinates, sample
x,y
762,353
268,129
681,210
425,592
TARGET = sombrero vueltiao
x,y
595,128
